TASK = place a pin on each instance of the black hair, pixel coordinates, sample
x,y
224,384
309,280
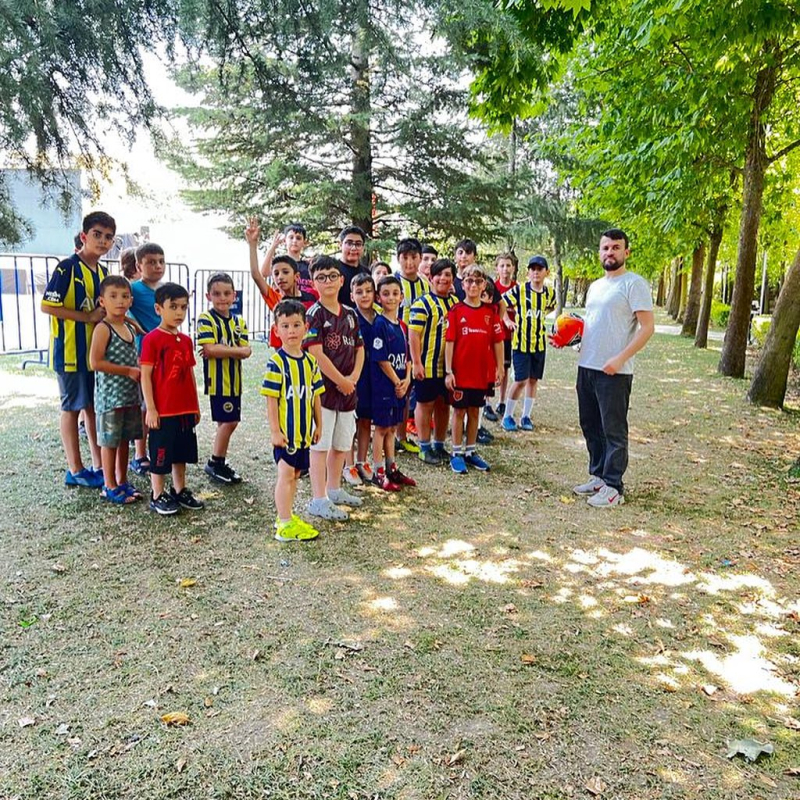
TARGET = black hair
x,y
78,241
429,248
409,245
389,280
360,279
127,262
148,249
467,245
170,291
99,218
441,264
352,229
286,260
324,262
295,227
220,277
288,308
112,281
616,234
380,264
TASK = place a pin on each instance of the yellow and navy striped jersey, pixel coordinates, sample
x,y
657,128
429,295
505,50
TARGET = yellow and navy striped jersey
x,y
295,382
75,286
531,308
412,291
223,376
428,318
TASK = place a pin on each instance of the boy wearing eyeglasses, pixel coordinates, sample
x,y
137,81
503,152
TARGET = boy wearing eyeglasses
x,y
71,300
531,304
334,339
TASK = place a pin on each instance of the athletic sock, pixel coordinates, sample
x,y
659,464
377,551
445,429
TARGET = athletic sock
x,y
510,406
458,449
424,445
376,465
217,459
470,449
527,406
437,445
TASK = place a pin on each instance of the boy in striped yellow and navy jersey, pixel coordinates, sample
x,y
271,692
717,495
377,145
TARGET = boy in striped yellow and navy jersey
x,y
71,300
292,385
530,302
223,342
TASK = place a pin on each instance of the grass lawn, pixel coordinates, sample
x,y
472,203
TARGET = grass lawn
x,y
481,637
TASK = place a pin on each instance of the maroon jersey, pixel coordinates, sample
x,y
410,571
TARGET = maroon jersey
x,y
474,331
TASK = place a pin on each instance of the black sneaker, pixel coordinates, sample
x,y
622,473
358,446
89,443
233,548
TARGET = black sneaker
x,y
484,437
430,457
490,414
221,472
164,504
185,499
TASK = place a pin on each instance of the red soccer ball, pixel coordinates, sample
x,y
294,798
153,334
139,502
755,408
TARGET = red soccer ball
x,y
567,330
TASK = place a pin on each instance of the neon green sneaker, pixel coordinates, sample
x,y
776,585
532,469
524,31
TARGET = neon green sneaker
x,y
295,530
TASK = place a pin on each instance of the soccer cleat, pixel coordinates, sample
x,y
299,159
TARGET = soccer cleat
x,y
606,497
221,472
501,410
185,499
295,530
474,460
365,472
164,504
85,477
343,498
395,476
457,464
382,481
490,414
484,437
509,424
430,457
411,427
351,476
526,424
325,509
591,486
441,451
407,445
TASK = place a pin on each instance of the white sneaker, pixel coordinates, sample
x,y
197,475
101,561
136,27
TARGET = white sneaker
x,y
590,487
351,476
324,508
341,497
606,497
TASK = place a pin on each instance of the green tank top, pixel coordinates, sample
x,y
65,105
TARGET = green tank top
x,y
117,391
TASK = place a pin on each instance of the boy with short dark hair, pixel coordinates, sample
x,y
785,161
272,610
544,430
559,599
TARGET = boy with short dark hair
x,y
295,239
334,339
466,254
71,299
223,342
352,240
429,255
292,385
531,303
474,349
505,265
170,396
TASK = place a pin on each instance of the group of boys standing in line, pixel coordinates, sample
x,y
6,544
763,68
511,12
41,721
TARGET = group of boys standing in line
x,y
357,352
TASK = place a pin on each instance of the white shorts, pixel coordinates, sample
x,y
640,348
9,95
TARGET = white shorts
x,y
338,430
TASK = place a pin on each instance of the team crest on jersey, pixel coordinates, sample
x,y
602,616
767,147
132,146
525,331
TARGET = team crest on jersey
x,y
458,395
333,341
227,407
377,343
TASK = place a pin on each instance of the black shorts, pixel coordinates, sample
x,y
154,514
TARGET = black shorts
x,y
528,365
429,389
507,353
225,409
299,459
174,442
468,398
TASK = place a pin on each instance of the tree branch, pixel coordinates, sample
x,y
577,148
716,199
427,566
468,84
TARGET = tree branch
x,y
784,151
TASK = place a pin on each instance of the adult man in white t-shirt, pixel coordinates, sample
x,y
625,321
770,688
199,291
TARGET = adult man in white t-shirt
x,y
617,324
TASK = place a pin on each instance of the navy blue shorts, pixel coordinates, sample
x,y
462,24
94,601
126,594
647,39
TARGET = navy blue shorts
x,y
363,410
298,459
387,414
174,442
507,353
528,365
225,409
77,390
428,389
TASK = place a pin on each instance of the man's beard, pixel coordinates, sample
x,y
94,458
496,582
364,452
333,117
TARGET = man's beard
x,y
610,265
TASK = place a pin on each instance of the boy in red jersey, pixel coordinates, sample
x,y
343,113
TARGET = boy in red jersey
x,y
474,341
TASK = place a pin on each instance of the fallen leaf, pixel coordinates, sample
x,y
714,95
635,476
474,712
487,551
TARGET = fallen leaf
x,y
409,644
510,608
180,765
792,724
595,786
62,729
175,718
709,689
643,599
185,583
208,702
398,760
792,772
567,501
455,758
255,655
25,722
249,500
57,567
531,584
528,658
749,748
74,741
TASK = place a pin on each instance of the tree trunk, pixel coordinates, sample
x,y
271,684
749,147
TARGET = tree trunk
x,y
674,296
360,118
769,381
717,230
695,287
734,349
559,276
660,290
683,297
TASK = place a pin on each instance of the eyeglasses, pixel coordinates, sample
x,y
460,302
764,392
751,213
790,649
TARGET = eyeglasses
x,y
351,243
99,236
474,280
327,277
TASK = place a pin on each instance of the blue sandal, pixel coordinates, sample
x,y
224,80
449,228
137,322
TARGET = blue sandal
x,y
131,491
117,496
141,466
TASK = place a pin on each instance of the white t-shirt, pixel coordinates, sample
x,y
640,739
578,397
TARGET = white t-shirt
x,y
610,319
